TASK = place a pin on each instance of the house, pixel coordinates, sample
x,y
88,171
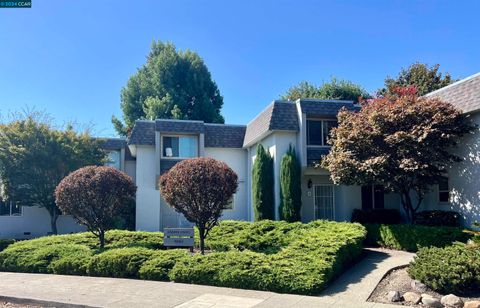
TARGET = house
x,y
156,146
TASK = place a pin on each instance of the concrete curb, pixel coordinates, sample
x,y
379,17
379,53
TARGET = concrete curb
x,y
30,301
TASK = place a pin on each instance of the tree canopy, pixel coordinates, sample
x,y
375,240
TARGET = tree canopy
x,y
402,142
35,157
425,79
199,188
172,84
334,89
95,196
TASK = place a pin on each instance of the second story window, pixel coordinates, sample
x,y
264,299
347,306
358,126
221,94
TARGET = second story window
x,y
318,131
180,146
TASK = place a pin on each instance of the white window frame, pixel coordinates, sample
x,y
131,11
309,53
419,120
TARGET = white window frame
x,y
110,163
178,136
315,200
321,132
10,208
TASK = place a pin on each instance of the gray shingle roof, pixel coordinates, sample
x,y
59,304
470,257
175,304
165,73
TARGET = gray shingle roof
x,y
224,136
112,143
464,94
279,115
143,133
179,126
325,108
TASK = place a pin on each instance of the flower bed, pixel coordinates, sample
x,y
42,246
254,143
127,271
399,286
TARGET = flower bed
x,y
273,256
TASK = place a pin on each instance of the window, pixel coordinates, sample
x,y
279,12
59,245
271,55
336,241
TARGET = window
x,y
10,208
373,197
324,202
443,190
114,159
318,131
180,147
231,204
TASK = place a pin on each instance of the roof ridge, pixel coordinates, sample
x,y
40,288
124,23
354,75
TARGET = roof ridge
x,y
224,124
178,120
454,84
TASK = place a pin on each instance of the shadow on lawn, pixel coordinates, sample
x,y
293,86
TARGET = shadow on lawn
x,y
357,271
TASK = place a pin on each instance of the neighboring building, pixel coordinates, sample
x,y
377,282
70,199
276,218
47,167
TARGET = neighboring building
x,y
21,222
155,146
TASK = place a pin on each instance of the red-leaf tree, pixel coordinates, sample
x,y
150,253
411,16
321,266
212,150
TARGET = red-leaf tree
x,y
95,196
199,188
401,141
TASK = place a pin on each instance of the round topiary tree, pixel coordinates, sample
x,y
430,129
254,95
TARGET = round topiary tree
x,y
95,196
199,188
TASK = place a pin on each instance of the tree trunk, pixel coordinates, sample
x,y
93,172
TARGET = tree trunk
x,y
53,220
101,237
201,232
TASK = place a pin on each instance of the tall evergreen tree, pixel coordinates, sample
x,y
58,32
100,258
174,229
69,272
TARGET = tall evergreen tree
x,y
263,185
172,84
290,187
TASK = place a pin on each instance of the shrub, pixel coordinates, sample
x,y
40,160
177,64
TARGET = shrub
x,y
438,218
95,196
262,185
4,243
40,259
119,263
268,255
69,254
290,187
298,258
159,266
376,216
199,188
412,237
454,269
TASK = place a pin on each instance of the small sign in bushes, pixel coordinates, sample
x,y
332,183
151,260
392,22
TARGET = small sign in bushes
x,y
178,237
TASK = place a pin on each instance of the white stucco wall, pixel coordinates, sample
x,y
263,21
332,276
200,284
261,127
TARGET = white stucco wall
x,y
463,180
237,160
36,221
148,198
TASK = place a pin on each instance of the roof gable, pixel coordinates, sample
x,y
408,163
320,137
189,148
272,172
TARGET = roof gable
x,y
463,94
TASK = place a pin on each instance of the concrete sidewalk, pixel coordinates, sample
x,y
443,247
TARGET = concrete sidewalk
x,y
350,290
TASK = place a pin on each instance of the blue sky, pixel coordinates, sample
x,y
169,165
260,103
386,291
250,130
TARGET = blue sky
x,y
71,58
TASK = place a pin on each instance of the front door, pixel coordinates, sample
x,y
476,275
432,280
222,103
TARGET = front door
x,y
324,202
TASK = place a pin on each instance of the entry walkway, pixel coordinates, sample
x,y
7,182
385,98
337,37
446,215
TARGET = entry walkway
x,y
350,290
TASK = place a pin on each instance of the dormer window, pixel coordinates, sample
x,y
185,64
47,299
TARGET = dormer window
x,y
180,146
318,131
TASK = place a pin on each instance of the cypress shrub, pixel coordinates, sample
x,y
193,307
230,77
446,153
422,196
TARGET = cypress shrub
x,y
263,185
290,187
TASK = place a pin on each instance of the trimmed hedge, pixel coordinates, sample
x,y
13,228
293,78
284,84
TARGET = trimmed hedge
x,y
453,269
413,237
376,216
272,256
296,258
119,263
4,243
438,218
160,265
